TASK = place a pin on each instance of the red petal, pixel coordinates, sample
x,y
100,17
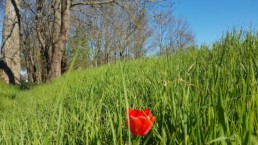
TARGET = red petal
x,y
147,112
140,121
148,122
135,125
135,112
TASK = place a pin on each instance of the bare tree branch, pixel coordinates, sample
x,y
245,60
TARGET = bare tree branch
x,y
92,3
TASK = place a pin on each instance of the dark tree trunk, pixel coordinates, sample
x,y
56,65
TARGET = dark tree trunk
x,y
11,42
43,41
8,72
60,29
64,63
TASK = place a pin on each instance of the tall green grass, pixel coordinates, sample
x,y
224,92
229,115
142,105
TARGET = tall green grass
x,y
198,96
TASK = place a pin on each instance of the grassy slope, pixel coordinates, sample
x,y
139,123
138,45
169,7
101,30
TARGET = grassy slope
x,y
197,96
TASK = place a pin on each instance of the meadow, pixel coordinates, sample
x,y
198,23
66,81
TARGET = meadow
x,y
197,95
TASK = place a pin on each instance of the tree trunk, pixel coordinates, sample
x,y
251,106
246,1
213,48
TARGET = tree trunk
x,y
11,40
44,45
64,63
60,33
6,71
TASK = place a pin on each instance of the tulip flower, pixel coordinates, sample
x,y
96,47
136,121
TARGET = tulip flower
x,y
140,121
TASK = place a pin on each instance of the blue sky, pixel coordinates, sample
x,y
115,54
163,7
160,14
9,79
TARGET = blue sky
x,y
210,19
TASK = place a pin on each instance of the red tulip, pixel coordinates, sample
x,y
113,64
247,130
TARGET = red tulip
x,y
140,121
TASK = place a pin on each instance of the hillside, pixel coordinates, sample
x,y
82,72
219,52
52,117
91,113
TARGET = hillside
x,y
198,95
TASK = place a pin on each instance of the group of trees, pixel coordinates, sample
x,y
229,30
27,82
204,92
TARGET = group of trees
x,y
41,37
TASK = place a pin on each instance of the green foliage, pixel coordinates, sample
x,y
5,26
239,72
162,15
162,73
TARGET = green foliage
x,y
198,96
78,44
